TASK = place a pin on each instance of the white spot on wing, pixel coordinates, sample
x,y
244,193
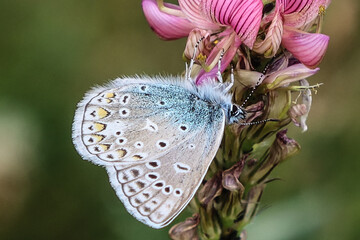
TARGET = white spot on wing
x,y
115,155
191,146
178,192
183,128
159,184
121,141
167,190
143,88
118,133
151,126
124,112
99,148
181,167
93,127
124,99
139,156
152,176
138,145
101,101
153,164
162,144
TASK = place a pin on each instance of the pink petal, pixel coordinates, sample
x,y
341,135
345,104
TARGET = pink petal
x,y
291,6
327,3
243,16
227,40
288,75
280,63
166,26
248,78
308,48
203,47
203,76
298,13
270,45
193,11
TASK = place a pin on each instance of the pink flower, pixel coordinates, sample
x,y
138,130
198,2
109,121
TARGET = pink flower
x,y
166,26
243,16
289,21
232,22
210,50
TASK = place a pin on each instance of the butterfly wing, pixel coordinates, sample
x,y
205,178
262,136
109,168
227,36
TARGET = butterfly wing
x,y
156,140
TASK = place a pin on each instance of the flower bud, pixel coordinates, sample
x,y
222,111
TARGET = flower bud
x,y
230,177
296,111
281,149
210,190
186,230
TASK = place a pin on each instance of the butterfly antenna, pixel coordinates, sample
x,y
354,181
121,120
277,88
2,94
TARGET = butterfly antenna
x,y
259,122
192,61
257,84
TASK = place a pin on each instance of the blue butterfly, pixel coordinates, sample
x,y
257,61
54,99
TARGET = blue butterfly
x,y
156,137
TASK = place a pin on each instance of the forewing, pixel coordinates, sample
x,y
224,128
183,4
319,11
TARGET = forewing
x,y
156,140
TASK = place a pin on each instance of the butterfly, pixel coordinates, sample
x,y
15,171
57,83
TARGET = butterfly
x,y
156,137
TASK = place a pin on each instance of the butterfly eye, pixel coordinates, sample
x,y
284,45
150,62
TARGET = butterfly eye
x,y
234,110
236,113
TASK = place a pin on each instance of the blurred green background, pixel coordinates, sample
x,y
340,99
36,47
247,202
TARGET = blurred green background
x,y
51,52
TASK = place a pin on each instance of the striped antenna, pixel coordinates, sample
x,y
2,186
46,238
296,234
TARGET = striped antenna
x,y
257,84
258,122
188,69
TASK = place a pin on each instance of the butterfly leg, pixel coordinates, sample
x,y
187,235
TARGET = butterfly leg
x,y
218,74
226,86
192,61
229,85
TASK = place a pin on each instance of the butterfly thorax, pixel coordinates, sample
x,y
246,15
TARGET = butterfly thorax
x,y
216,96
